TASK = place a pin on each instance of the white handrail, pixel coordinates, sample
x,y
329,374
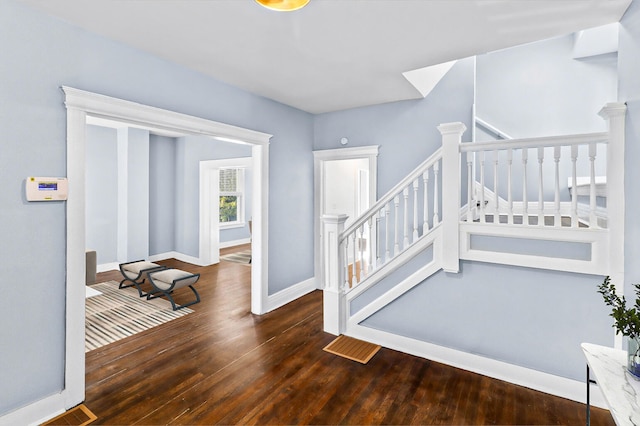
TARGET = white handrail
x,y
397,189
548,141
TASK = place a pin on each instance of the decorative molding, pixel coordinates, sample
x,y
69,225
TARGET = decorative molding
x,y
290,294
521,376
138,114
347,153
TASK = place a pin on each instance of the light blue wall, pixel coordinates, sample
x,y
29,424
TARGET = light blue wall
x,y
406,131
162,194
40,54
629,69
528,317
193,150
538,89
102,193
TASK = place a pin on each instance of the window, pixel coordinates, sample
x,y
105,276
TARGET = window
x,y
231,197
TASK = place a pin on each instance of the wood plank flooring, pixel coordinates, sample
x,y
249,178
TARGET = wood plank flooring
x,y
224,365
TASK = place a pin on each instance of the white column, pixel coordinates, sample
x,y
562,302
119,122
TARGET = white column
x,y
614,113
333,294
451,187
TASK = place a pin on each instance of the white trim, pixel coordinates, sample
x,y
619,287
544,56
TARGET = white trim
x,y
178,256
79,104
597,238
319,157
234,243
521,376
35,413
112,266
291,293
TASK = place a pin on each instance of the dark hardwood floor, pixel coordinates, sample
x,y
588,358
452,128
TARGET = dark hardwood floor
x,y
223,365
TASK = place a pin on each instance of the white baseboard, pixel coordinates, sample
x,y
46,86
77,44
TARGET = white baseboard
x,y
522,376
113,266
290,294
35,413
234,243
178,256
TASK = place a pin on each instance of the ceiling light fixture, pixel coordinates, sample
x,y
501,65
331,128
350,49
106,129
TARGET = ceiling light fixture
x,y
283,5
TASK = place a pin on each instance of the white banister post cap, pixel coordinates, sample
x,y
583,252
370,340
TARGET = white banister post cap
x,y
613,109
335,218
449,128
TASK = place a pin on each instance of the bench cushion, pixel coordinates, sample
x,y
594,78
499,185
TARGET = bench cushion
x,y
136,267
164,279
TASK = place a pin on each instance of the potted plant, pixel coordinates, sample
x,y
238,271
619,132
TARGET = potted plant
x,y
627,322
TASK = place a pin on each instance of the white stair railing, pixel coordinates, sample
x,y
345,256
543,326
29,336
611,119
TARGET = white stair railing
x,y
392,224
519,195
532,193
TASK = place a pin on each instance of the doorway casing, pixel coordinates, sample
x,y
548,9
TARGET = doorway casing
x,y
369,153
81,104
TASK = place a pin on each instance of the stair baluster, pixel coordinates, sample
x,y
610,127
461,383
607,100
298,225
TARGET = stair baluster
x,y
593,220
540,186
425,201
510,185
415,210
525,202
574,186
556,158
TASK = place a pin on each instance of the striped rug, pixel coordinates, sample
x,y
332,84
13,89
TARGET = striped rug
x,y
116,314
243,257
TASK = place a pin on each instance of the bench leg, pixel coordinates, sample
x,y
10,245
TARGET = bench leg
x,y
133,283
156,294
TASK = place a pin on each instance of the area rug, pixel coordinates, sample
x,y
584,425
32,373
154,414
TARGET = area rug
x,y
243,257
353,349
119,313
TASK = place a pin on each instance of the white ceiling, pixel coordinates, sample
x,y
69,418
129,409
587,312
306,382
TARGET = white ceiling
x,y
332,54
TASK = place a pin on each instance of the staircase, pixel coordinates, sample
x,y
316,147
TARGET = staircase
x,y
539,194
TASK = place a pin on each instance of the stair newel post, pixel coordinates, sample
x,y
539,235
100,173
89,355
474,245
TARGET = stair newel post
x,y
614,113
452,186
334,300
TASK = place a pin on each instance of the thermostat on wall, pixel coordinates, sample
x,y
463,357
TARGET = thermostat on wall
x,y
46,188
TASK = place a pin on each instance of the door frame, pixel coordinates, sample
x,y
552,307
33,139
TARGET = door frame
x,y
80,104
369,153
209,213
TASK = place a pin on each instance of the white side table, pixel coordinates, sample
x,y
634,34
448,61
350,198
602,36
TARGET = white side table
x,y
620,390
